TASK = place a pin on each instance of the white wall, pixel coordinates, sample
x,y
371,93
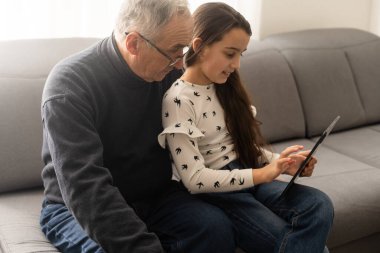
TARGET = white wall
x,y
94,18
375,17
290,15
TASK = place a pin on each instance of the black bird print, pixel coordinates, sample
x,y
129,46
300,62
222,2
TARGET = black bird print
x,y
192,142
218,128
204,115
232,182
223,148
209,152
192,103
190,132
177,101
196,158
208,98
172,134
226,158
184,166
166,114
200,184
213,113
178,150
196,93
178,125
241,181
190,121
216,184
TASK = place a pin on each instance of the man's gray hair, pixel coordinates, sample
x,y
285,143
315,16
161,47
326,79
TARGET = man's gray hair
x,y
147,16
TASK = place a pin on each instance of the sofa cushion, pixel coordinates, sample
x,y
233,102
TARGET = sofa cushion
x,y
327,88
352,185
20,230
275,96
21,132
24,66
361,144
321,38
375,127
336,72
364,60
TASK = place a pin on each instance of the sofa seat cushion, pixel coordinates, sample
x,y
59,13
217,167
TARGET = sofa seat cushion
x,y
20,230
375,127
362,144
353,187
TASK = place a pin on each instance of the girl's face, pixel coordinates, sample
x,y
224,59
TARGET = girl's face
x,y
218,60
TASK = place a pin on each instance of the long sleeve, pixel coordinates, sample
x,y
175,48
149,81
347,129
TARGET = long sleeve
x,y
197,178
86,185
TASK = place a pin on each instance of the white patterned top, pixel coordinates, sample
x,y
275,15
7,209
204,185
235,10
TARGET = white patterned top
x,y
197,137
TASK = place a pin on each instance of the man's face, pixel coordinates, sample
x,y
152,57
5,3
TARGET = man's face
x,y
153,64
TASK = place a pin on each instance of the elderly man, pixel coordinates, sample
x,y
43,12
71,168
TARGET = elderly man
x,y
108,184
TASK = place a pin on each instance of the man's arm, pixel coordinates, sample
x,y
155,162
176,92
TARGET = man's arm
x,y
86,185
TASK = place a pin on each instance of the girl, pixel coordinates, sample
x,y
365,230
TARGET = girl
x,y
218,151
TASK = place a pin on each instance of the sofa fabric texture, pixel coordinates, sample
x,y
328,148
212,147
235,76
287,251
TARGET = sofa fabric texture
x,y
299,82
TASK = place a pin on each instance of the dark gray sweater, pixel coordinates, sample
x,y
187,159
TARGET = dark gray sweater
x,y
100,149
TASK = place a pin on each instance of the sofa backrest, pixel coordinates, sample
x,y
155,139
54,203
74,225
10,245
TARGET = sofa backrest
x,y
300,81
268,78
24,66
336,72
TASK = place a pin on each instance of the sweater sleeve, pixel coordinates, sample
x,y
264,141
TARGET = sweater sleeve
x,y
85,184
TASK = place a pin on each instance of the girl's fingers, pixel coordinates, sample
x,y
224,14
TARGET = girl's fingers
x,y
289,150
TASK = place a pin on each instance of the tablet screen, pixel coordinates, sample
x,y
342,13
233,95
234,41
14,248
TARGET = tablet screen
x,y
306,161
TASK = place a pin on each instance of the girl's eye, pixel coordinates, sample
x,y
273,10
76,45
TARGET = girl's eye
x,y
230,55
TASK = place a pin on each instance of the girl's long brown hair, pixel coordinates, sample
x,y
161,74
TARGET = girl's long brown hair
x,y
211,22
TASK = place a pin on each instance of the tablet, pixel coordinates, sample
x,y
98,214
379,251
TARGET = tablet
x,y
308,158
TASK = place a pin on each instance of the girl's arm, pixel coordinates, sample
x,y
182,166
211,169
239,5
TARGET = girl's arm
x,y
196,177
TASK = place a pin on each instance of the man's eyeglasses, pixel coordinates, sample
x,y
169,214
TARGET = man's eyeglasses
x,y
172,61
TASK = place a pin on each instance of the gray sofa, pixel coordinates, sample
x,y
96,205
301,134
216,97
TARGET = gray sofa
x,y
299,82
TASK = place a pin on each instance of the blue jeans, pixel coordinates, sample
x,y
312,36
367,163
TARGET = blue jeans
x,y
64,232
263,222
255,220
183,222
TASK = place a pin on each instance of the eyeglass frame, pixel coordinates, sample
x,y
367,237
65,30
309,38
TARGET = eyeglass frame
x,y
171,61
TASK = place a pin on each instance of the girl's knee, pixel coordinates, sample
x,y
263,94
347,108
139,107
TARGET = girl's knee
x,y
325,207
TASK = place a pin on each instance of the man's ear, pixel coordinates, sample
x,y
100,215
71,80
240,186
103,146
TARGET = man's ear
x,y
132,43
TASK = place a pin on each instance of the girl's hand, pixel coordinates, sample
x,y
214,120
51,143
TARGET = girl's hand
x,y
298,159
271,171
288,163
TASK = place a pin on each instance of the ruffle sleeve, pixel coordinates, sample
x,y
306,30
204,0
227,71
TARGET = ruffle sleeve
x,y
179,128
